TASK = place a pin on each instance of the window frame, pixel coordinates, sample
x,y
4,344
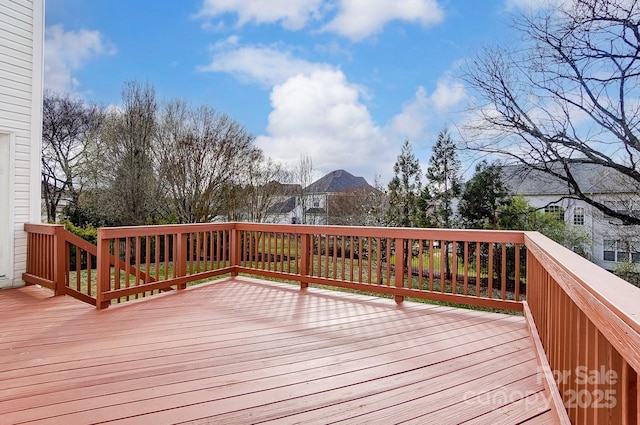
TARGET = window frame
x,y
578,216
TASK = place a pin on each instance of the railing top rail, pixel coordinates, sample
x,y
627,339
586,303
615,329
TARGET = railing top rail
x,y
460,235
618,295
42,228
166,229
80,243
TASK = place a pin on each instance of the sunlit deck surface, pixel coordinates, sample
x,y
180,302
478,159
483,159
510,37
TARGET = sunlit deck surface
x,y
247,351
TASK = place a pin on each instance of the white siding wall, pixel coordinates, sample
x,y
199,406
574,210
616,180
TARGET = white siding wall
x,y
21,80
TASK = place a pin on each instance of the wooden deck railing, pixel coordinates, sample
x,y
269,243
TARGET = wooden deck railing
x,y
61,261
588,321
585,321
468,267
67,264
171,255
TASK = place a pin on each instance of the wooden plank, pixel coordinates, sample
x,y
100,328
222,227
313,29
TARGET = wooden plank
x,y
610,302
383,393
555,399
396,291
243,348
36,280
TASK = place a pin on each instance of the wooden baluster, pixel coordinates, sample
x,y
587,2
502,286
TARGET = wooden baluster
x,y
454,267
409,243
399,278
90,261
503,283
490,272
478,269
369,259
138,247
517,273
465,269
351,255
388,261
61,265
431,263
443,267
420,263
156,253
127,265
103,277
306,256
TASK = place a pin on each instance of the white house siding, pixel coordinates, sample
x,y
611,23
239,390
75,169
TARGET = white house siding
x,y
21,81
597,225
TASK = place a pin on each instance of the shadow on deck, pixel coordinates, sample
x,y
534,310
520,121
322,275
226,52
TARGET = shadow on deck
x,y
247,351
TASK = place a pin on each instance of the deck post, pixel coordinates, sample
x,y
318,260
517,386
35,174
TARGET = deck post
x,y
60,262
304,266
181,260
103,278
234,250
399,268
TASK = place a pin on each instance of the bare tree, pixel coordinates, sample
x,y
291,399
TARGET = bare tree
x,y
378,204
304,174
128,172
350,207
200,152
256,188
67,128
568,96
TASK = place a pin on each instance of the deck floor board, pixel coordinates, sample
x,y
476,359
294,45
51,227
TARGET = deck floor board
x,y
247,351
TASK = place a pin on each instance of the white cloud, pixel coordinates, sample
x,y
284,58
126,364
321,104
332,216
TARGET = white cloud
x,y
320,114
448,94
355,19
66,52
422,110
291,14
358,19
412,120
317,111
267,66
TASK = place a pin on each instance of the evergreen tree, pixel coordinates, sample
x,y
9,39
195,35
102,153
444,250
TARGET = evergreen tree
x,y
444,179
405,188
444,185
483,198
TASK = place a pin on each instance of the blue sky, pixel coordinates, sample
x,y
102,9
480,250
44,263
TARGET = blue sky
x,y
344,81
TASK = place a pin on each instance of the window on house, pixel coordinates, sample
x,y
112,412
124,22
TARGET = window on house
x,y
609,250
634,251
578,216
621,251
316,203
556,210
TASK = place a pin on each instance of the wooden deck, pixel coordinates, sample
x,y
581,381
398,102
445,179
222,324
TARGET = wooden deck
x,y
247,351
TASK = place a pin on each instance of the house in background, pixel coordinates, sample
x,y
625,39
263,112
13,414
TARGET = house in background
x,y
283,209
612,242
335,198
21,86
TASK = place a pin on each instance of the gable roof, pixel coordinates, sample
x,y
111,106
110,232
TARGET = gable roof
x,y
337,181
592,179
283,207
